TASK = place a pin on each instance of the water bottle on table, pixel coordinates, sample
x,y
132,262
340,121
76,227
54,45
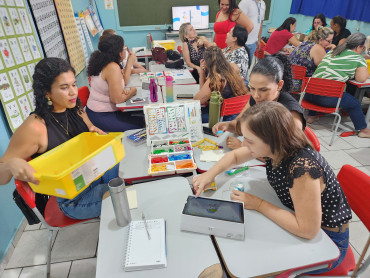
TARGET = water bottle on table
x,y
121,207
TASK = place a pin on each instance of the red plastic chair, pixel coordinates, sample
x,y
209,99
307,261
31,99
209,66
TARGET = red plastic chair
x,y
312,137
234,105
298,73
83,94
54,218
323,87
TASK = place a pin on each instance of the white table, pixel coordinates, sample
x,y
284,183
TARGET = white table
x,y
146,54
188,254
267,248
361,88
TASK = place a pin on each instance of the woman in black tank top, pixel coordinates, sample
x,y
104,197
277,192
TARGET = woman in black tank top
x,y
58,117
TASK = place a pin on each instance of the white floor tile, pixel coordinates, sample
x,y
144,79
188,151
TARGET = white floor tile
x,y
33,227
11,273
58,270
30,250
365,169
76,242
337,159
83,269
357,142
361,155
338,144
358,235
19,232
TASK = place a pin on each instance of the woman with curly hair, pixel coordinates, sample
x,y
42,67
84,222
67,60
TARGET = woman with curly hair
x,y
108,87
222,76
58,117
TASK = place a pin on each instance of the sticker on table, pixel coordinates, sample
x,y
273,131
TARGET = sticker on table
x,y
19,3
24,18
34,49
6,53
31,69
31,97
10,2
16,21
5,89
14,46
26,78
25,49
4,16
16,82
14,114
25,106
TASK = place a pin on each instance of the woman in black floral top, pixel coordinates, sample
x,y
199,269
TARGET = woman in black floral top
x,y
300,176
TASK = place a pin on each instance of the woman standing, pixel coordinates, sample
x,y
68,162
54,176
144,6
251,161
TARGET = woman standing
x,y
193,48
341,33
282,36
236,51
108,87
228,16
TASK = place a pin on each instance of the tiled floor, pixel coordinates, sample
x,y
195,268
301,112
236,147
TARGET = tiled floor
x,y
74,249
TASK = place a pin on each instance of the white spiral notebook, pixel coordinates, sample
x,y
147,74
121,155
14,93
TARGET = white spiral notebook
x,y
142,252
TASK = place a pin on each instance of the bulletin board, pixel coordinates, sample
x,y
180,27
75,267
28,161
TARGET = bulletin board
x,y
173,120
46,19
19,55
71,35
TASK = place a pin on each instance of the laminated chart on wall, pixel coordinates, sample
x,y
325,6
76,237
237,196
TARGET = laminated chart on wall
x,y
19,55
87,36
47,23
71,35
173,120
89,23
82,37
96,20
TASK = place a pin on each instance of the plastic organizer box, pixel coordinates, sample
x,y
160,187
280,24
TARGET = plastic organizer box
x,y
171,156
69,168
167,44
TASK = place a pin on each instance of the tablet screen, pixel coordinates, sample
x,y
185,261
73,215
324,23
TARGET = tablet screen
x,y
215,209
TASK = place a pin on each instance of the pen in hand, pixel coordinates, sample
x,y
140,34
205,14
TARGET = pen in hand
x,y
145,224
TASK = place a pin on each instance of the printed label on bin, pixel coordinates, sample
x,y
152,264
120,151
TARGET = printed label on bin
x,y
93,168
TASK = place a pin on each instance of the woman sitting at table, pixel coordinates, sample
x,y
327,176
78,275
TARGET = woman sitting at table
x,y
193,48
222,76
300,176
236,52
228,16
318,20
310,53
58,117
343,63
108,87
282,36
270,80
341,33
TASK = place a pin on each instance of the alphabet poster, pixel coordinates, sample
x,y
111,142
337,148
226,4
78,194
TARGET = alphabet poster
x,y
19,55
173,120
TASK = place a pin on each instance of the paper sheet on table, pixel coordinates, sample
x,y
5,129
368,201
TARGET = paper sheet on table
x,y
132,198
211,156
181,74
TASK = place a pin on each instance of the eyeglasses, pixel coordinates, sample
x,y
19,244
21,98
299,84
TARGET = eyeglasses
x,y
329,41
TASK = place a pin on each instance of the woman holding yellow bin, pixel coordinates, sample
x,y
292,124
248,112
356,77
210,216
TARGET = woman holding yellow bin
x,y
58,117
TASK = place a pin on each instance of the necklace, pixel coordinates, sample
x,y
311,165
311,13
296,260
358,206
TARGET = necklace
x,y
65,129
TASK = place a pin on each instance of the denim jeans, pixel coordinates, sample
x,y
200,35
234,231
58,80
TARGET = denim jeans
x,y
87,204
348,103
252,48
341,239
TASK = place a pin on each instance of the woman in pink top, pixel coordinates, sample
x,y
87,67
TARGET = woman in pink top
x,y
108,87
228,16
282,36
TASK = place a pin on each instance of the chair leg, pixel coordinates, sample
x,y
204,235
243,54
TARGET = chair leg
x,y
48,257
336,128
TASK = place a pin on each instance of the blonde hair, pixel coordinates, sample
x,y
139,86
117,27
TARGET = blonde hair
x,y
183,31
321,33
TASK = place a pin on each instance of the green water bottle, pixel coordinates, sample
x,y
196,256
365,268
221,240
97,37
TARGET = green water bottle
x,y
214,108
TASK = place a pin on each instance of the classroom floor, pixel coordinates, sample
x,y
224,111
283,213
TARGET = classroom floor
x,y
74,249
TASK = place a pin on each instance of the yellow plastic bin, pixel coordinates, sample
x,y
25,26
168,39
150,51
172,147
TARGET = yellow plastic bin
x,y
68,169
167,44
368,65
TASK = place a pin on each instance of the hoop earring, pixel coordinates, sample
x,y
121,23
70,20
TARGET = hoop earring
x,y
50,103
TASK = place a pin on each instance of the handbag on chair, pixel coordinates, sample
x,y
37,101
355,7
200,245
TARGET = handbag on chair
x,y
159,55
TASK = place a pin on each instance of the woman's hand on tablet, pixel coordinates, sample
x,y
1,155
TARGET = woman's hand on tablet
x,y
200,182
250,201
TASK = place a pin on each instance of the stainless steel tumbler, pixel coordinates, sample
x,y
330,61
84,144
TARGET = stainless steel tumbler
x,y
120,202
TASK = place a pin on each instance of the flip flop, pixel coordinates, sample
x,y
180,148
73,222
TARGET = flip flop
x,y
347,133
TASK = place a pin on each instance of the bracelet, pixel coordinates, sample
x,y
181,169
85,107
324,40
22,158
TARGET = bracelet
x,y
259,205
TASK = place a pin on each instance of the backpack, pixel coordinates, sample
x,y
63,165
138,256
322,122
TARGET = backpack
x,y
159,55
178,64
40,201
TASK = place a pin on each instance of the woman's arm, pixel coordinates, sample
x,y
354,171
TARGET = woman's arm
x,y
29,138
112,74
205,93
306,196
294,41
131,59
206,42
89,124
317,53
361,74
186,54
242,19
297,119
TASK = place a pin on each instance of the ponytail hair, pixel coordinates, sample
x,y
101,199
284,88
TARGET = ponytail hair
x,y
354,40
321,33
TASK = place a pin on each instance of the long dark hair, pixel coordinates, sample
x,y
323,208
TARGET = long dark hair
x,y
110,47
286,24
271,117
276,67
217,65
341,21
46,71
322,18
232,6
241,35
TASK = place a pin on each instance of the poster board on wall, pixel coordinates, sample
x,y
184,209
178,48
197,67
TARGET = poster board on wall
x,y
19,55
